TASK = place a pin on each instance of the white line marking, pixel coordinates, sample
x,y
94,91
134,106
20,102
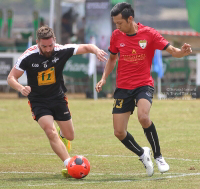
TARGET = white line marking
x,y
115,181
17,172
48,184
171,175
52,154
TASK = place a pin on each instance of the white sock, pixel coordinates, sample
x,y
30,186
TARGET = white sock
x,y
61,134
66,162
142,156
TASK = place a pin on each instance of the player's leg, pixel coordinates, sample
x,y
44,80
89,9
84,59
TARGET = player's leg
x,y
67,129
120,122
66,132
47,124
149,129
44,116
144,105
63,118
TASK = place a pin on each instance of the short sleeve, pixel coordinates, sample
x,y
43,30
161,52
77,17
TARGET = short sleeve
x,y
69,49
159,41
21,64
113,49
73,46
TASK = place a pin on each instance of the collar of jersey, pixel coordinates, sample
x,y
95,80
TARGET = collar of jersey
x,y
131,34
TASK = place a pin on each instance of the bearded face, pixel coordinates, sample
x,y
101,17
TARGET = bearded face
x,y
46,47
45,53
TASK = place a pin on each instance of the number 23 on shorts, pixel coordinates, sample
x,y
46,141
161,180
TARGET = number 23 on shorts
x,y
118,103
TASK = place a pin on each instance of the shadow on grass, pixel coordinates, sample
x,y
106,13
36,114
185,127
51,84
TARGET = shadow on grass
x,y
52,179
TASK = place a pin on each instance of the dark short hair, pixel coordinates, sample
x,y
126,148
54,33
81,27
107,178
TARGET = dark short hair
x,y
124,8
45,32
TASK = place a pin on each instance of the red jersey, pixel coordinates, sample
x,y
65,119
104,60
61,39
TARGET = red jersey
x,y
135,56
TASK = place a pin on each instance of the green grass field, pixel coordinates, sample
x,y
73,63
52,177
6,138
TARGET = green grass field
x,y
27,161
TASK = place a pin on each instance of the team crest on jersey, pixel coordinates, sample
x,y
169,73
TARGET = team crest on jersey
x,y
55,59
143,43
122,45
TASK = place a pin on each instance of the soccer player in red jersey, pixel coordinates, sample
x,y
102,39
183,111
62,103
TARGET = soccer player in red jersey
x,y
135,44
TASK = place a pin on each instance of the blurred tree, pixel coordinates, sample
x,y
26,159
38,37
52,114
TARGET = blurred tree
x,y
36,4
193,13
114,2
1,20
9,19
35,22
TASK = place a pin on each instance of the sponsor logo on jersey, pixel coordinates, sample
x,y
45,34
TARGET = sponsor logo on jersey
x,y
134,58
143,43
45,63
122,45
55,59
46,77
35,65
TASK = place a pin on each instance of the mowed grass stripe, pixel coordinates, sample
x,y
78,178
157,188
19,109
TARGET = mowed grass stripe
x,y
25,153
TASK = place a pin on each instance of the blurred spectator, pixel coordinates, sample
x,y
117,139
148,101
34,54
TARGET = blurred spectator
x,y
103,43
66,24
42,21
81,30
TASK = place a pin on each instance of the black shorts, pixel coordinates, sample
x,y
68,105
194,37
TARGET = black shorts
x,y
126,100
57,108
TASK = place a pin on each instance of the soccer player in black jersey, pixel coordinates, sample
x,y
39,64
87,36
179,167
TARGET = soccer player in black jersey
x,y
44,63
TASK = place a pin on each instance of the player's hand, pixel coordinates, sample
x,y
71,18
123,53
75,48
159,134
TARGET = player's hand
x,y
25,90
100,84
101,55
186,49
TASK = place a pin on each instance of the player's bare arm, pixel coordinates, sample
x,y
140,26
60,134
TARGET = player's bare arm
x,y
178,53
90,48
110,64
13,82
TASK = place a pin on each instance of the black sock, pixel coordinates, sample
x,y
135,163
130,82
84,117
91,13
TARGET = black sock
x,y
132,145
152,137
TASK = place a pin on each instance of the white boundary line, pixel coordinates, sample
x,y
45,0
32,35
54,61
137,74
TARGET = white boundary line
x,y
170,176
52,154
99,174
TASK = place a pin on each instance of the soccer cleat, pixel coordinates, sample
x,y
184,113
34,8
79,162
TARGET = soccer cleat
x,y
146,160
162,165
65,173
66,142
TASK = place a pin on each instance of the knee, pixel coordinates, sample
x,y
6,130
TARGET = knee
x,y
120,134
71,136
51,133
143,119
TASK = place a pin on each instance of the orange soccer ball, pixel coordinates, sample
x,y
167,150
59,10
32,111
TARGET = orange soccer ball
x,y
78,167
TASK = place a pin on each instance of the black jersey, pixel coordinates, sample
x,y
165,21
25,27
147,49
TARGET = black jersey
x,y
44,75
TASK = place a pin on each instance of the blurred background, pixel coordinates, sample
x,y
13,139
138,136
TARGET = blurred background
x,y
88,21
